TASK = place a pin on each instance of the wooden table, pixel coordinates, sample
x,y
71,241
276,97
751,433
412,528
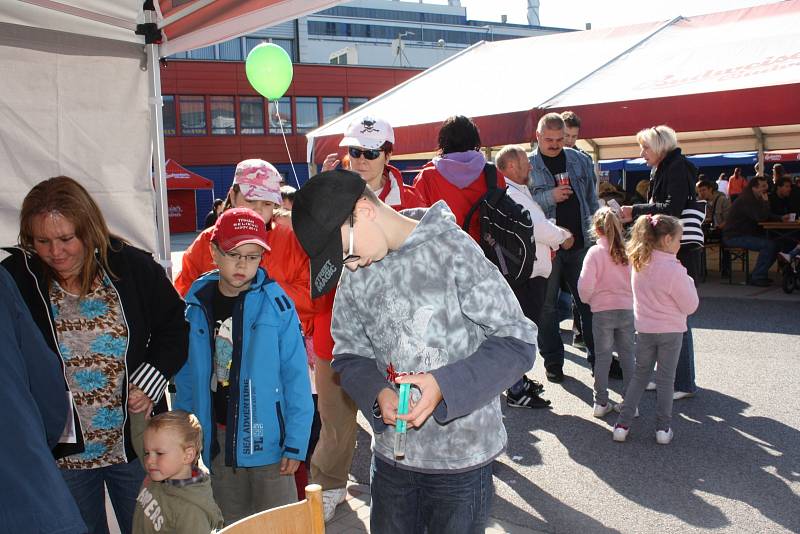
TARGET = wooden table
x,y
782,229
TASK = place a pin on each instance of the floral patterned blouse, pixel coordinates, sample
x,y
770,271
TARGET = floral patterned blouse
x,y
92,339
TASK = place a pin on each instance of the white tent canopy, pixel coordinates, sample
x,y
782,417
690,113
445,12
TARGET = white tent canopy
x,y
725,81
81,97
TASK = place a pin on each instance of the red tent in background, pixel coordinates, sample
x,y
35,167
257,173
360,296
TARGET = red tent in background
x,y
182,185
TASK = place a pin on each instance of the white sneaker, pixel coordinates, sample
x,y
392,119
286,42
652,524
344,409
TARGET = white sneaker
x,y
663,437
601,410
785,256
678,395
618,409
651,386
330,500
621,433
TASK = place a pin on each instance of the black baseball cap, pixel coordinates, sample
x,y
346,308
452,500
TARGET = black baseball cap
x,y
320,209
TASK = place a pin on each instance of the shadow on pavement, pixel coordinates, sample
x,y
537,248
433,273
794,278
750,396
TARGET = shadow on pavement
x,y
712,440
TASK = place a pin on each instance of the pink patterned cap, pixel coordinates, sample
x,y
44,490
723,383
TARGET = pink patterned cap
x,y
258,180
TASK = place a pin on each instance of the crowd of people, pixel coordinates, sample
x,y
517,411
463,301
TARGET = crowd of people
x,y
294,309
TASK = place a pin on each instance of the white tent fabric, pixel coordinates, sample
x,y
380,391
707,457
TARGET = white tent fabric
x,y
75,106
737,52
731,78
76,98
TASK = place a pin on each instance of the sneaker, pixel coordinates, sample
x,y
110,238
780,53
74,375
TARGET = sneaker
x,y
602,410
555,375
532,384
527,398
578,342
330,500
615,371
651,386
663,437
785,257
678,395
621,433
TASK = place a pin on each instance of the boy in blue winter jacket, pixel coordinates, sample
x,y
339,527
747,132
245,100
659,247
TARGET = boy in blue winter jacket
x,y
246,377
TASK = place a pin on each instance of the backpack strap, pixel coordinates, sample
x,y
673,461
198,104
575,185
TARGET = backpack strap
x,y
490,175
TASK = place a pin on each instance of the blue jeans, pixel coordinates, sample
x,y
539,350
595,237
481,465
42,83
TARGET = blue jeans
x,y
123,481
407,502
767,252
567,265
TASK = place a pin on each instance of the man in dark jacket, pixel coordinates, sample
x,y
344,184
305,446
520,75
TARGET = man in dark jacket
x,y
33,497
786,198
743,231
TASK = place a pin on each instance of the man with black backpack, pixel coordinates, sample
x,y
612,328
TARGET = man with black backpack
x,y
513,162
562,183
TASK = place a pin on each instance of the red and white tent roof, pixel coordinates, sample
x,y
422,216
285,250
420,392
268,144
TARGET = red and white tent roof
x,y
185,24
733,70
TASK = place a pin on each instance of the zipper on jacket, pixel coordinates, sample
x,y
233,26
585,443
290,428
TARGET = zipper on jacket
x,y
49,312
281,423
125,363
236,368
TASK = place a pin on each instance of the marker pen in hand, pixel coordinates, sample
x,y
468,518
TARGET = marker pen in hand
x,y
400,425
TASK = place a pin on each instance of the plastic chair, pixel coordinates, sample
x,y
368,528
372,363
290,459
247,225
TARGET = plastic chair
x,y
304,517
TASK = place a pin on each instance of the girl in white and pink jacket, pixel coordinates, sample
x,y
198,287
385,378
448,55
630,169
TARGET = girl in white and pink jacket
x,y
605,285
663,296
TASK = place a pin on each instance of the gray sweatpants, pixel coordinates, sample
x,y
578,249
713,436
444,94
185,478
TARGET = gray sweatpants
x,y
612,328
651,348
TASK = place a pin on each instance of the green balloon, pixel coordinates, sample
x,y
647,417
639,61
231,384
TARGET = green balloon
x,y
269,70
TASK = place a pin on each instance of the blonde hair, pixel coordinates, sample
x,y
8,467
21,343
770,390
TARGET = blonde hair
x,y
64,196
605,223
642,188
661,139
646,234
185,424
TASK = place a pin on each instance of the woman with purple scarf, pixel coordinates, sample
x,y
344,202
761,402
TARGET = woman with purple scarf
x,y
456,174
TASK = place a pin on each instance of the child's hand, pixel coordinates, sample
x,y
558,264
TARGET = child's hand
x,y
139,402
387,401
289,466
431,396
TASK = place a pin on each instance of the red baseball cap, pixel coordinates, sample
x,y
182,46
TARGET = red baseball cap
x,y
239,226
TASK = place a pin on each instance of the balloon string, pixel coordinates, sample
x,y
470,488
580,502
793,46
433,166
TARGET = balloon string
x,y
286,143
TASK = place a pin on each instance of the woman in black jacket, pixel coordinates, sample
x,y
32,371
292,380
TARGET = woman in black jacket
x,y
110,313
672,179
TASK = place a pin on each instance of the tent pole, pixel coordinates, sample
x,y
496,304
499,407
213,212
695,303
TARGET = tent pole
x,y
157,137
760,147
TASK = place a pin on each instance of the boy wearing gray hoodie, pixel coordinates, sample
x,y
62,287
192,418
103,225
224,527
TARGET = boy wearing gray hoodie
x,y
418,304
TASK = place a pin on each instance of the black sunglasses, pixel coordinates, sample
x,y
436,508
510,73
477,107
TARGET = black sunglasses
x,y
370,153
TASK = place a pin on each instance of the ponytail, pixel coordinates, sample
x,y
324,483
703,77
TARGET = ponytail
x,y
606,223
646,234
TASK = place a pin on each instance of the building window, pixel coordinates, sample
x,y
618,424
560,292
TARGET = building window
x,y
193,115
286,44
251,115
354,101
284,110
252,42
231,50
332,107
307,113
223,116
207,52
168,114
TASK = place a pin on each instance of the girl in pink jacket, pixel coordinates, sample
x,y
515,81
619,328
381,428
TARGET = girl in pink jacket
x,y
663,296
605,285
